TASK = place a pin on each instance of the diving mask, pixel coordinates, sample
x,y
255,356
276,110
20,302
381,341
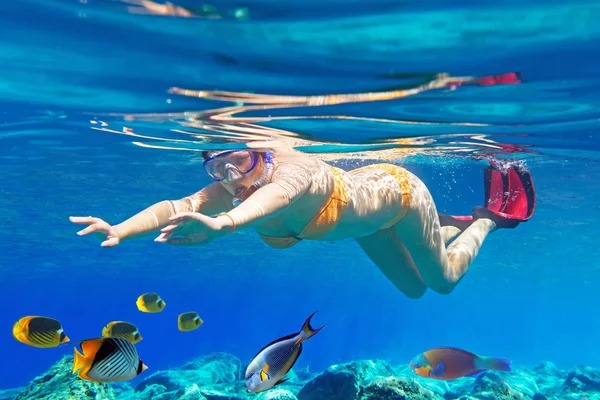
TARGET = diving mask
x,y
230,166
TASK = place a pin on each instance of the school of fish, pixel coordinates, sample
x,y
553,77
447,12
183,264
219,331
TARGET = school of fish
x,y
113,357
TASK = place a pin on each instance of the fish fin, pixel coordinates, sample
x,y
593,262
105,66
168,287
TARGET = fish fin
x,y
457,349
91,346
438,370
263,375
18,329
476,373
78,360
24,322
496,364
279,382
105,332
84,376
308,329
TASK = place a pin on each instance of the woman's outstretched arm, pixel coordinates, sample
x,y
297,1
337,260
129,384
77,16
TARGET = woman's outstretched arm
x,y
210,200
289,183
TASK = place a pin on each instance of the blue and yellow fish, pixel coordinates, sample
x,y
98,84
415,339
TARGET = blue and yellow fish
x,y
276,359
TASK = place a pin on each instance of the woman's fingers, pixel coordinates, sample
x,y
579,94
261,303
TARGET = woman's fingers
x,y
163,237
83,220
169,228
113,241
89,229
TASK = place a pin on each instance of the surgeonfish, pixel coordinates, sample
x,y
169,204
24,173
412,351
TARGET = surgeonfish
x,y
123,330
42,332
107,360
449,363
272,362
150,303
189,321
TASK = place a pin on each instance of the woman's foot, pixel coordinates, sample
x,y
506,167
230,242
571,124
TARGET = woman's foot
x,y
499,220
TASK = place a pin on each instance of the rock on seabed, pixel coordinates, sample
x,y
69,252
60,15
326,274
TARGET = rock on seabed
x,y
219,376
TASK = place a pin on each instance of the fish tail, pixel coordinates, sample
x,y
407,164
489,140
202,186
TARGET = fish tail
x,y
308,329
17,329
496,364
78,360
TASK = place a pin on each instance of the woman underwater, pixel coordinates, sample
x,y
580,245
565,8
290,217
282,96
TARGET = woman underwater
x,y
288,196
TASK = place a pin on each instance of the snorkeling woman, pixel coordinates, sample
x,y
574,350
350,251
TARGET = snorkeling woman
x,y
288,196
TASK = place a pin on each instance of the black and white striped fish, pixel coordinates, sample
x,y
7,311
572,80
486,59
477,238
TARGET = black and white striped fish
x,y
276,359
108,360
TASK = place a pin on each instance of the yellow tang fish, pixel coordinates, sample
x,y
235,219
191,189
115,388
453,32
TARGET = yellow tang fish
x,y
150,303
42,332
189,321
107,360
123,330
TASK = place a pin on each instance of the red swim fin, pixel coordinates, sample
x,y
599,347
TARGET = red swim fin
x,y
509,196
511,78
509,199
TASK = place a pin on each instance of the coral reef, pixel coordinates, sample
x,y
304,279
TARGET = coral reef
x,y
59,383
219,376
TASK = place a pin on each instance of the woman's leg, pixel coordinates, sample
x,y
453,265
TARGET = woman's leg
x,y
388,252
449,233
420,231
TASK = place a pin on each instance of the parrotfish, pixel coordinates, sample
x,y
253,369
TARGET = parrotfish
x,y
448,363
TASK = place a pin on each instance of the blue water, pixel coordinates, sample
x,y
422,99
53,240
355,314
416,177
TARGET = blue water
x,y
530,296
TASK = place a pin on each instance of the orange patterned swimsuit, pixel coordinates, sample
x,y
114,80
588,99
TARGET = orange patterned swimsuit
x,y
329,215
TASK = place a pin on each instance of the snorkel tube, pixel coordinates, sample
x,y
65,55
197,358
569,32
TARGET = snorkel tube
x,y
242,194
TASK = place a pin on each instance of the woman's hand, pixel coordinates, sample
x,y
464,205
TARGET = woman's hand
x,y
101,228
197,229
